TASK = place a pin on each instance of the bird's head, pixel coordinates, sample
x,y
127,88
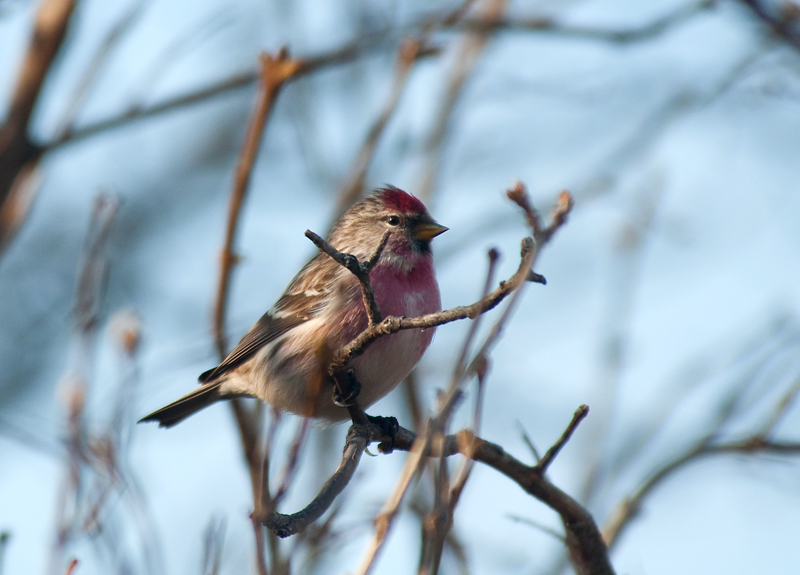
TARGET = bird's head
x,y
391,210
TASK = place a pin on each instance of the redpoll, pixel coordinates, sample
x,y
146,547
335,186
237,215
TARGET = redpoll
x,y
284,358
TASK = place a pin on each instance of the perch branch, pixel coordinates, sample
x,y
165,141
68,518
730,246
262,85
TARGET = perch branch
x,y
581,529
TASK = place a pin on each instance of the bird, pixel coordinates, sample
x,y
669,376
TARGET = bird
x,y
283,359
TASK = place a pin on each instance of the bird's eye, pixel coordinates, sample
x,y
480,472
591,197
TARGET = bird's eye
x,y
393,220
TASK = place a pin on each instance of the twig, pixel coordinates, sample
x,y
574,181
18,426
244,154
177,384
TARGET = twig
x,y
99,60
541,527
359,269
627,510
5,536
551,454
549,26
781,408
529,443
71,567
213,541
291,464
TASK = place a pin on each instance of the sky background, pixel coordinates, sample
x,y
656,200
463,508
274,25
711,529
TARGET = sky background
x,y
682,253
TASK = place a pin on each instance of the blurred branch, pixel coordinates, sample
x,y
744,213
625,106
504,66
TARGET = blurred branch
x,y
365,45
5,536
275,71
409,52
783,22
710,444
71,567
468,52
18,154
110,40
213,541
629,508
89,294
547,25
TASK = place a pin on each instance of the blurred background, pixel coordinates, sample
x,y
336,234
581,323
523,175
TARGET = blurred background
x,y
671,306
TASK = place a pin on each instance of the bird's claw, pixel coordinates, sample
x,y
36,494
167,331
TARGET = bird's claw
x,y
389,427
354,388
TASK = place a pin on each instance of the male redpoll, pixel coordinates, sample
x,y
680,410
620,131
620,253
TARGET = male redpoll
x,y
283,360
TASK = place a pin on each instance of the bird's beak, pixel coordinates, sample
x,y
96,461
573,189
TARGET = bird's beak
x,y
427,230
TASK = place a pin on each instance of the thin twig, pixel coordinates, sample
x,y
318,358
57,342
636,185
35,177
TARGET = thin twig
x,y
540,526
359,269
628,509
783,26
649,31
291,465
71,567
551,454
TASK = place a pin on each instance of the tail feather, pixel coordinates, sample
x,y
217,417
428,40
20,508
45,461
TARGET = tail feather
x,y
187,405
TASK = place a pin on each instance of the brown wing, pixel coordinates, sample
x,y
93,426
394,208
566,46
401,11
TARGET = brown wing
x,y
306,295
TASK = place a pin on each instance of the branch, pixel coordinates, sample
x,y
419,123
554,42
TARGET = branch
x,y
275,71
582,533
628,509
783,25
18,154
551,454
624,36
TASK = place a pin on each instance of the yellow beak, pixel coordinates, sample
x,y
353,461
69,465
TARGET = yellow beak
x,y
426,231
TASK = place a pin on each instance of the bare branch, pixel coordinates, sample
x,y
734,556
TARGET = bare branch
x,y
551,454
627,509
18,154
549,26
358,438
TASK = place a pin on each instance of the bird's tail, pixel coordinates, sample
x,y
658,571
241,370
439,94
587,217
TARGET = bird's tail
x,y
182,408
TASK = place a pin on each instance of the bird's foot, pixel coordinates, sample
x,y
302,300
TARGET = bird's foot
x,y
353,389
388,427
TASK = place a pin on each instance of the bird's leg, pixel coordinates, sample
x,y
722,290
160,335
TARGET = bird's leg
x,y
353,389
